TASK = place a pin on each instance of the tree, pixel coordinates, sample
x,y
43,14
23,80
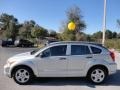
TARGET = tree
x,y
114,35
9,24
53,33
73,14
39,32
80,36
97,35
108,34
68,35
26,29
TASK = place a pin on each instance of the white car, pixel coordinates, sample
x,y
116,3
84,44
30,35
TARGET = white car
x,y
63,59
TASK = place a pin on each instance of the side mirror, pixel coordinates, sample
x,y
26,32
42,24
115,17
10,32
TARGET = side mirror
x,y
42,55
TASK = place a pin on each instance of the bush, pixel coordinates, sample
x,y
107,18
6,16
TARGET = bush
x,y
113,43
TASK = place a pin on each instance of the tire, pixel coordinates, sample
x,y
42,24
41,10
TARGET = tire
x,y
97,75
23,75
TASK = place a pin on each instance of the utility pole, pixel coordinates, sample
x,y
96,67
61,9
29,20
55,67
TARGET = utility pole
x,y
104,23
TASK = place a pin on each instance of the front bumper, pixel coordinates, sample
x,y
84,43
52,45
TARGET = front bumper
x,y
7,70
112,68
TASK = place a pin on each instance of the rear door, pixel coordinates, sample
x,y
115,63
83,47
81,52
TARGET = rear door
x,y
80,56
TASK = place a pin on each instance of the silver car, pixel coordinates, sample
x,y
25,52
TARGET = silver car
x,y
63,59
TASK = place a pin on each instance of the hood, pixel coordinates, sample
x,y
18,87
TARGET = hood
x,y
21,56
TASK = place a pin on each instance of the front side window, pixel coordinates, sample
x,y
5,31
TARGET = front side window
x,y
46,53
79,50
58,50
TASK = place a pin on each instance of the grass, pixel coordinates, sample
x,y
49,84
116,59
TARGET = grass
x,y
113,43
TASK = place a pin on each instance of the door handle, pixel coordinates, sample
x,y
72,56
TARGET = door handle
x,y
62,58
89,57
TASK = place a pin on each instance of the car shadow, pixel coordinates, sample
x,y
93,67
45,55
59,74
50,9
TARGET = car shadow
x,y
113,80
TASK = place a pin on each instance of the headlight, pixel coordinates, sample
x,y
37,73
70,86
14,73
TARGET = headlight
x,y
10,62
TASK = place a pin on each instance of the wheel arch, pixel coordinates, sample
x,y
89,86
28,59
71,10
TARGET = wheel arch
x,y
22,65
96,66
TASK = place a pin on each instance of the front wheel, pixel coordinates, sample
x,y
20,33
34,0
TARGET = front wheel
x,y
22,76
97,75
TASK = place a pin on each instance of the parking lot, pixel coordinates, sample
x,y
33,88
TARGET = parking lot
x,y
112,83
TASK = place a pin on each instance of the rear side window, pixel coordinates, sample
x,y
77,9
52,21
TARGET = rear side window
x,y
95,50
58,50
79,50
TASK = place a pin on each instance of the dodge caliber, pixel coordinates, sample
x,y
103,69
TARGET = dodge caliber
x,y
63,59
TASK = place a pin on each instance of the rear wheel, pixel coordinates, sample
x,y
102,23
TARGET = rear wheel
x,y
97,75
22,75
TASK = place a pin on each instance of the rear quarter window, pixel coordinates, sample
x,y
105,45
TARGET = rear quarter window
x,y
95,50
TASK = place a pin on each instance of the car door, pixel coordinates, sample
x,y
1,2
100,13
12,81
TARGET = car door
x,y
80,56
53,62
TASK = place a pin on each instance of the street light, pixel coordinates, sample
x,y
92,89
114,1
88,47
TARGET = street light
x,y
104,23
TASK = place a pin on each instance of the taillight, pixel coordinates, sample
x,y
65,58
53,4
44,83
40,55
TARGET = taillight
x,y
112,55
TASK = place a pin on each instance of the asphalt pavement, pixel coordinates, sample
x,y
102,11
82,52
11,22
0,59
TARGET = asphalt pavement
x,y
112,82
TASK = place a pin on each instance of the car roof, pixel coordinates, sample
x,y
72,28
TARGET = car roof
x,y
75,42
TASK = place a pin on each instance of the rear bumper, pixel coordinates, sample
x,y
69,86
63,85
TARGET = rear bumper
x,y
112,68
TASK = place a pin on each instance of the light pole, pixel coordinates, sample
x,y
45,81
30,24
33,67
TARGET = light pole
x,y
104,23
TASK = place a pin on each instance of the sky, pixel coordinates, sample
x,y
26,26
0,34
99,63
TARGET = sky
x,y
51,13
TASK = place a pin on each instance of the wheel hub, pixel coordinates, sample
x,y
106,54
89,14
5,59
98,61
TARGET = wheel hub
x,y
97,75
22,75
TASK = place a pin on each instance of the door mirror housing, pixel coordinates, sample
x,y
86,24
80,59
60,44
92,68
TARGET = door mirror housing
x,y
42,55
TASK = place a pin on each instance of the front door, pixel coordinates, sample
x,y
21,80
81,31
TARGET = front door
x,y
53,62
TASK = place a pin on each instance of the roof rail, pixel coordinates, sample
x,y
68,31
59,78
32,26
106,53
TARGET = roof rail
x,y
85,42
